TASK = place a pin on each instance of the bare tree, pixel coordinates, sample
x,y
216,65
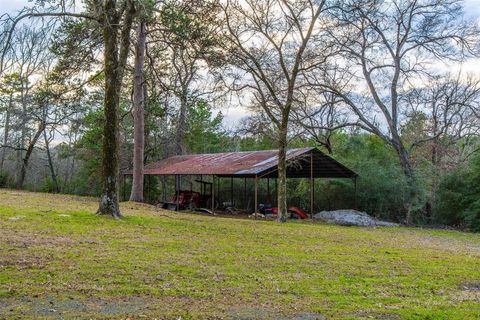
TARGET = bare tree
x,y
184,56
321,118
386,47
9,88
27,60
274,44
450,107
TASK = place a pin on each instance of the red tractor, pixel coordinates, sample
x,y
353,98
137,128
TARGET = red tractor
x,y
191,200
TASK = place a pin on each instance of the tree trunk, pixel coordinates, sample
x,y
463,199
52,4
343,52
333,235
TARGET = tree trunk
x,y
69,172
434,158
28,153
50,163
282,175
138,116
411,180
109,197
6,133
23,135
181,126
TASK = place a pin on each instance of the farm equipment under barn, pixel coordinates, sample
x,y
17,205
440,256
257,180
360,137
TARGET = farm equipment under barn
x,y
202,201
191,200
293,212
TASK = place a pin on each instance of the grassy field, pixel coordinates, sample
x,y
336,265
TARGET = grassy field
x,y
59,260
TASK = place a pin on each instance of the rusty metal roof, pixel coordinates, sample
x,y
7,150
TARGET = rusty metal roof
x,y
251,163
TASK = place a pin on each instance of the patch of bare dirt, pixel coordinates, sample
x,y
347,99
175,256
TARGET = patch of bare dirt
x,y
471,286
252,312
20,239
22,261
89,308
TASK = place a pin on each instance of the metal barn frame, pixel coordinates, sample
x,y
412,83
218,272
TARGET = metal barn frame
x,y
307,163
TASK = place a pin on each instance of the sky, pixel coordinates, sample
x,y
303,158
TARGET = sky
x,y
234,114
472,7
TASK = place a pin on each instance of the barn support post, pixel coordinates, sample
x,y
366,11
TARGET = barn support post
x,y
146,186
177,193
231,191
268,190
124,187
311,185
276,192
213,194
218,188
245,193
355,193
256,196
164,189
313,196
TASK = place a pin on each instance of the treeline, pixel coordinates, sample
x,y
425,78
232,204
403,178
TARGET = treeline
x,y
86,94
449,189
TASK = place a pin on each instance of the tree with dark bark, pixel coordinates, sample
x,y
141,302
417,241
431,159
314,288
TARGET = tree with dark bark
x,y
115,20
116,24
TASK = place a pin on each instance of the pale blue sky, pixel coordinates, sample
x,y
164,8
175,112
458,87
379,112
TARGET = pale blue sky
x,y
472,7
232,115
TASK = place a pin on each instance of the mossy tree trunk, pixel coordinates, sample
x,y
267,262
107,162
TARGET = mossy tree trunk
x,y
114,64
109,197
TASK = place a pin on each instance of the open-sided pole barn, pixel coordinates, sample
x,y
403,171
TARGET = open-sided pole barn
x,y
309,163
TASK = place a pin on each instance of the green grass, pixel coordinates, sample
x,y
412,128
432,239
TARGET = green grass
x,y
59,260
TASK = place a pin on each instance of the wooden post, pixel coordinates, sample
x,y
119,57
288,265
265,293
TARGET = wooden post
x,y
313,196
146,185
218,189
213,194
124,187
231,191
311,185
177,191
355,193
245,192
164,189
268,190
276,192
256,196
